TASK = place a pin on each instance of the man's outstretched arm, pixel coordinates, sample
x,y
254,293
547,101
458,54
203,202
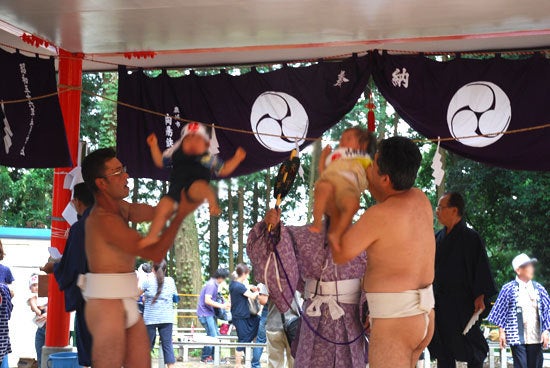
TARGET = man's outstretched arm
x,y
356,239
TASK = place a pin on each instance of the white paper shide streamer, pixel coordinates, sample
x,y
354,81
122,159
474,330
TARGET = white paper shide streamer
x,y
72,178
300,169
437,165
214,145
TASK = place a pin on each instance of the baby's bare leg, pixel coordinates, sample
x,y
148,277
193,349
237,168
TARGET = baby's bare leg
x,y
199,191
323,192
163,212
348,205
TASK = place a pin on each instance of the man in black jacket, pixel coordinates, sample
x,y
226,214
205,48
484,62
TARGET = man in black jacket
x,y
463,284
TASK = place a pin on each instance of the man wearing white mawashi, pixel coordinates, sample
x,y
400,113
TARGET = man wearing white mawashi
x,y
110,288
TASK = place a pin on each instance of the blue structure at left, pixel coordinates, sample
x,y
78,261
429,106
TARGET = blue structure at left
x,y
25,233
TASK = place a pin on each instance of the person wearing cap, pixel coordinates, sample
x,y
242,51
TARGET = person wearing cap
x,y
192,167
522,313
463,285
39,306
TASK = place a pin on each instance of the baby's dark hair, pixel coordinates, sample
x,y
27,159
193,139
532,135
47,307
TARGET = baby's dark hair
x,y
367,140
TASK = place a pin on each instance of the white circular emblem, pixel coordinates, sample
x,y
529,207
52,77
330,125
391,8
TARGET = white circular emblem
x,y
479,108
282,115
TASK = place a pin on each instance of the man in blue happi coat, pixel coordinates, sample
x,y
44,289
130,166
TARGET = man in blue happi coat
x,y
522,313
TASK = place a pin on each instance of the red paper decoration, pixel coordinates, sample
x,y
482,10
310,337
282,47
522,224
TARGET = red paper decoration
x,y
140,54
34,40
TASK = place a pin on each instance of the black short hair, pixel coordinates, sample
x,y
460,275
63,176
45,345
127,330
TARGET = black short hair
x,y
456,200
221,273
93,166
83,194
399,158
242,269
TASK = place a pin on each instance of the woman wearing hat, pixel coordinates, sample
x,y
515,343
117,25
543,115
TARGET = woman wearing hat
x,y
522,313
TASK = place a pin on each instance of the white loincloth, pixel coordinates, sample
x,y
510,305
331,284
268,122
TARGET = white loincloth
x,y
121,286
403,304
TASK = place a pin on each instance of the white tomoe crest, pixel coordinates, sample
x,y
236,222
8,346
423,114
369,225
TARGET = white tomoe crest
x,y
478,114
279,121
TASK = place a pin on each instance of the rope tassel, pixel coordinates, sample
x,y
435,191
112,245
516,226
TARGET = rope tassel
x,y
370,115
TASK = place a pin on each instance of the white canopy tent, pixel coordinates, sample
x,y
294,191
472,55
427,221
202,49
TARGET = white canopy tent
x,y
220,32
217,32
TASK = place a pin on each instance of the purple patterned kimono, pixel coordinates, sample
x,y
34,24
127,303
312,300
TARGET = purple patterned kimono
x,y
304,255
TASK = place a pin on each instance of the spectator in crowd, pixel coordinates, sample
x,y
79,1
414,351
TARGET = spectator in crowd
x,y
463,285
73,263
6,276
522,313
39,306
5,313
261,337
206,310
143,273
246,323
279,352
160,293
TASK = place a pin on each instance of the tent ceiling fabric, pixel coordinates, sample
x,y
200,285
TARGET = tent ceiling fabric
x,y
210,32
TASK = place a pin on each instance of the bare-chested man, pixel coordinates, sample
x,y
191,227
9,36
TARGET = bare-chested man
x,y
119,334
399,238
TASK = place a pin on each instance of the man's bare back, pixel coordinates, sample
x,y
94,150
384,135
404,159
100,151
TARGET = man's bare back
x,y
402,256
397,234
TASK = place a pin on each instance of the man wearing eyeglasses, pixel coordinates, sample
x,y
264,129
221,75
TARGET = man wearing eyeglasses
x,y
110,288
463,283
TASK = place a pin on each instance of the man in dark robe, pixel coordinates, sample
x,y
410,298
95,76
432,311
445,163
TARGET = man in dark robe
x,y
72,264
463,285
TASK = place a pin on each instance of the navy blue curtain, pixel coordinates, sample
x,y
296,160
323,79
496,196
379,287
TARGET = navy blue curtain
x,y
295,103
467,99
32,133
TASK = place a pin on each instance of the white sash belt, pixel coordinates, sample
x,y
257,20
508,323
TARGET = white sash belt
x,y
331,293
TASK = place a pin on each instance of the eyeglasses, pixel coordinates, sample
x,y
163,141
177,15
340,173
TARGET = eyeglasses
x,y
119,172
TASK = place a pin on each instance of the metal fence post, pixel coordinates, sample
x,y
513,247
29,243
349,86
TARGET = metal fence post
x,y
161,357
503,358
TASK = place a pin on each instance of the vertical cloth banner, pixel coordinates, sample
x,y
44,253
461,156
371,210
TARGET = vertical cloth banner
x,y
291,104
32,133
465,99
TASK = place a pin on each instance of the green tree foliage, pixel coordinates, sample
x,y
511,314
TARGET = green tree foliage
x,y
97,115
510,209
25,197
